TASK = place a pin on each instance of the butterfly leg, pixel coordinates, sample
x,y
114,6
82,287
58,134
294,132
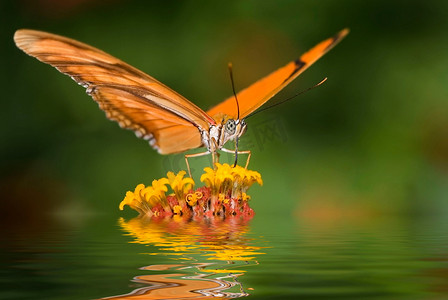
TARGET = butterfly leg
x,y
187,156
215,158
248,152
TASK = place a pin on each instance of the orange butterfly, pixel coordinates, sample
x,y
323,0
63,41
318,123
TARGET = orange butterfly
x,y
153,111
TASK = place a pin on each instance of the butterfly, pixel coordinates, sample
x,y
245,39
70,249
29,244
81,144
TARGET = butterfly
x,y
156,113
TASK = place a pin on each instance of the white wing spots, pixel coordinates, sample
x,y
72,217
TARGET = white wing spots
x,y
124,122
152,141
115,114
142,133
90,90
84,85
139,132
148,137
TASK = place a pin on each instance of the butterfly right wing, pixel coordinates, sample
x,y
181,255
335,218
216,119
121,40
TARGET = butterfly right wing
x,y
134,99
254,96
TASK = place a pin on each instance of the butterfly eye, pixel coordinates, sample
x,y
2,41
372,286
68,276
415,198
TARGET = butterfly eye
x,y
230,126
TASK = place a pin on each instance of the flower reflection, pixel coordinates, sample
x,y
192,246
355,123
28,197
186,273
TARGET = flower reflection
x,y
222,242
222,239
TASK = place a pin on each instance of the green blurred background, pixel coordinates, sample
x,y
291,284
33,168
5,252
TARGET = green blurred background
x,y
372,140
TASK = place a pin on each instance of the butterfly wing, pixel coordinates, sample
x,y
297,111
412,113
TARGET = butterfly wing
x,y
254,96
134,99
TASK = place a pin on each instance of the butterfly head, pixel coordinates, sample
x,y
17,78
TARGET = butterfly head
x,y
226,129
233,129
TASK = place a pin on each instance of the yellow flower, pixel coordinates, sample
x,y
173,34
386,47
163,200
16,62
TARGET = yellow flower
x,y
136,200
208,178
159,186
151,196
244,179
177,209
247,177
224,176
143,199
158,193
221,197
245,197
225,192
179,184
128,200
193,198
218,180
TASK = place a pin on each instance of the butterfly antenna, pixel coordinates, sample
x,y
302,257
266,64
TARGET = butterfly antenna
x,y
238,111
233,89
290,98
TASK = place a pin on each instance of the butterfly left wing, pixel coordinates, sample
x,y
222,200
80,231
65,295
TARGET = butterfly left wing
x,y
254,96
165,131
134,99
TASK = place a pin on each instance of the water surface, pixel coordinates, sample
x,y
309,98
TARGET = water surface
x,y
275,257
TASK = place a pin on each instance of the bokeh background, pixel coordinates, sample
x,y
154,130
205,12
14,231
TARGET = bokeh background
x,y
373,140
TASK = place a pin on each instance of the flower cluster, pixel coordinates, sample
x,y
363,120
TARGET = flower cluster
x,y
224,194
